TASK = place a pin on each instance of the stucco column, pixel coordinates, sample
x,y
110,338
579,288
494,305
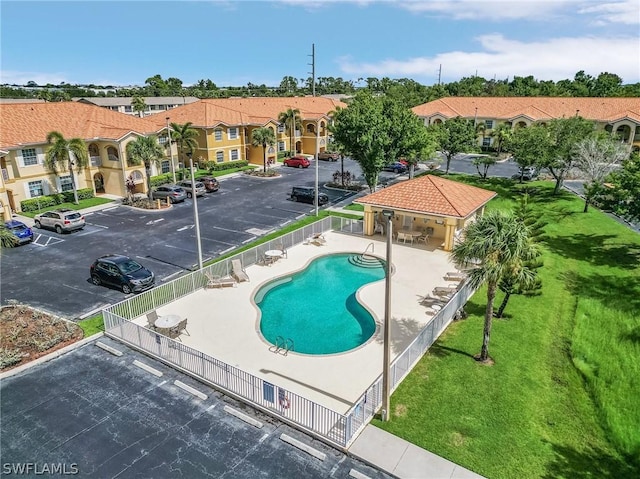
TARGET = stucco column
x,y
449,233
369,221
6,210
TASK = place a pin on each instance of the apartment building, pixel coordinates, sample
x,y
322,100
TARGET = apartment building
x,y
154,104
618,115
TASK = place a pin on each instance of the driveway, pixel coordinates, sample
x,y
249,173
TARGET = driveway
x,y
102,416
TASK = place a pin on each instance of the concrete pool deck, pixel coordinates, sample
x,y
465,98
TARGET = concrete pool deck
x,y
223,322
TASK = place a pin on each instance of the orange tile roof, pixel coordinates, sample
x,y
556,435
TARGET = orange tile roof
x,y
29,123
430,194
537,108
245,111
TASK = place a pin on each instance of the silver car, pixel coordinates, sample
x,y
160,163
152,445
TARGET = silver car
x,y
171,193
62,219
186,186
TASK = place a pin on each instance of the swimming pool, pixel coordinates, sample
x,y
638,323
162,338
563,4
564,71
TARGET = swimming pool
x,y
317,306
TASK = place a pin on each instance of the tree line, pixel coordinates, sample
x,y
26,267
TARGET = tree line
x,y
409,92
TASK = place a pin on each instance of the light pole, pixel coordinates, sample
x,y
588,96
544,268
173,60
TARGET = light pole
x,y
317,152
195,211
173,167
386,359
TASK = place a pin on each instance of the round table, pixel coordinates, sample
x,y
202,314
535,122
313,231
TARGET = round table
x,y
167,321
273,253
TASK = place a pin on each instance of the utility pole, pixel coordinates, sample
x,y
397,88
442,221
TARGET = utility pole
x,y
439,73
313,68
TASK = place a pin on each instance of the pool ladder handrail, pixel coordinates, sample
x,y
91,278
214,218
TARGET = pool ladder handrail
x,y
282,346
373,249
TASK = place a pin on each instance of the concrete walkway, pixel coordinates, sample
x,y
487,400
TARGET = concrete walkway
x,y
403,459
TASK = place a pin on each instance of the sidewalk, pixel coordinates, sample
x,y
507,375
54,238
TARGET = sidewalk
x,y
403,459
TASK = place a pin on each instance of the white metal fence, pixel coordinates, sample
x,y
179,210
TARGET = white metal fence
x,y
336,428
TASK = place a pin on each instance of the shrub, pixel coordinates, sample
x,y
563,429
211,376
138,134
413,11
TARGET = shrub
x,y
162,179
35,204
227,165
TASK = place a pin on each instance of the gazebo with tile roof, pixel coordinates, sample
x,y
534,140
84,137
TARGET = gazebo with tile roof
x,y
431,202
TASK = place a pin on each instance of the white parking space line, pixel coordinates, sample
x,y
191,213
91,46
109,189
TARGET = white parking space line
x,y
110,209
186,228
48,240
154,221
98,226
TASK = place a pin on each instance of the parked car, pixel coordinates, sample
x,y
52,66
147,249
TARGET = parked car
x,y
174,193
396,167
307,194
210,183
328,156
186,186
297,162
528,173
61,220
21,231
121,272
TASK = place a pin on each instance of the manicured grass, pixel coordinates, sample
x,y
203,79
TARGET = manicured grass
x,y
354,207
92,325
562,397
72,206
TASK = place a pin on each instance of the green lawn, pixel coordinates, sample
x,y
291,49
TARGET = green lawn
x,y
563,398
72,206
92,325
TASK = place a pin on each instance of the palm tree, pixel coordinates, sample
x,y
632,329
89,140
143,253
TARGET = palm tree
x,y
502,133
66,153
185,137
138,105
266,137
145,150
291,119
481,129
499,244
7,238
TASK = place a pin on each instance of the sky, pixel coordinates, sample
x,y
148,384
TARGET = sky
x,y
236,42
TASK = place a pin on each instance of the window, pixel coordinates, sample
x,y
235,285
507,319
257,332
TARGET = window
x,y
128,108
234,155
280,128
162,139
311,128
486,142
112,154
65,183
29,157
218,134
489,123
233,133
166,166
281,146
35,189
219,156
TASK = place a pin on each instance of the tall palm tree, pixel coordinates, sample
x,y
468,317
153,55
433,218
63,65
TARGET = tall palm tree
x,y
145,150
64,153
499,244
266,137
481,130
185,137
291,119
138,105
501,133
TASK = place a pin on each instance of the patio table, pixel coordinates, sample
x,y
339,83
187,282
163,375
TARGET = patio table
x,y
273,254
167,321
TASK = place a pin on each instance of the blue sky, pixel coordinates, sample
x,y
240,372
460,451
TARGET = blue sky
x,y
236,42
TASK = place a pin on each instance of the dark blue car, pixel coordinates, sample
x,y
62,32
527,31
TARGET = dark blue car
x,y
20,231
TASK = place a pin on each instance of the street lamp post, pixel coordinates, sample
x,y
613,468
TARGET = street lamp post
x,y
173,167
195,211
386,360
317,166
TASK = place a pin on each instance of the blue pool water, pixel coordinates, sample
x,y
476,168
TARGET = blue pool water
x,y
317,307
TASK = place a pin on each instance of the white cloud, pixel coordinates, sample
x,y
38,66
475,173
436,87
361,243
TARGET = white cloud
x,y
22,78
613,11
550,59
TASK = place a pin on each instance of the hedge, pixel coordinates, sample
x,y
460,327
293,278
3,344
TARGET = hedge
x,y
226,165
35,204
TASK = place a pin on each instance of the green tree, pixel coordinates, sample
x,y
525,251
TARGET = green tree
x,y
529,146
63,153
292,121
499,245
483,163
7,238
145,150
263,137
565,134
185,137
501,135
595,158
138,105
623,193
455,136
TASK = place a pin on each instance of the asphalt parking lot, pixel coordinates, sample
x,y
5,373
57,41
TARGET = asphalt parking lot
x,y
102,416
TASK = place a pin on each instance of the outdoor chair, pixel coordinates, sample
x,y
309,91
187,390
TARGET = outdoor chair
x,y
281,247
179,329
238,271
151,319
317,239
218,282
455,276
379,228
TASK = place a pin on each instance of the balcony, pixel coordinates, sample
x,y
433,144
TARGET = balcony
x,y
95,161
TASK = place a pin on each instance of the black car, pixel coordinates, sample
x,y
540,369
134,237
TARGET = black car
x,y
307,194
121,272
396,167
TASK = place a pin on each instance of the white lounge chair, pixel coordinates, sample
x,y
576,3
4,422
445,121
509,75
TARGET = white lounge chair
x,y
218,282
238,271
317,239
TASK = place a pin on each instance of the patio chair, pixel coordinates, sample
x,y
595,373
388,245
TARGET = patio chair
x,y
238,271
455,276
179,329
317,239
151,319
218,282
281,247
379,228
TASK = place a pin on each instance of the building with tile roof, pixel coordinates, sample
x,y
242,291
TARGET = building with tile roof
x,y
618,115
155,104
23,134
428,205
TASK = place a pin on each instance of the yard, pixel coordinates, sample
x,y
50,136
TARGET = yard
x,y
562,397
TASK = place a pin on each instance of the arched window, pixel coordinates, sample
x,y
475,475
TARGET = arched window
x,y
311,128
93,150
137,177
112,153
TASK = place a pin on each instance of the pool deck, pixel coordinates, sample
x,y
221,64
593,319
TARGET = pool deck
x,y
223,322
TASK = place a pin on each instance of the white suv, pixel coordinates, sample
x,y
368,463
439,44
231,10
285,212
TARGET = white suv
x,y
60,220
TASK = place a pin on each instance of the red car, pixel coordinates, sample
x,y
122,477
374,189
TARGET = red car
x,y
297,162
